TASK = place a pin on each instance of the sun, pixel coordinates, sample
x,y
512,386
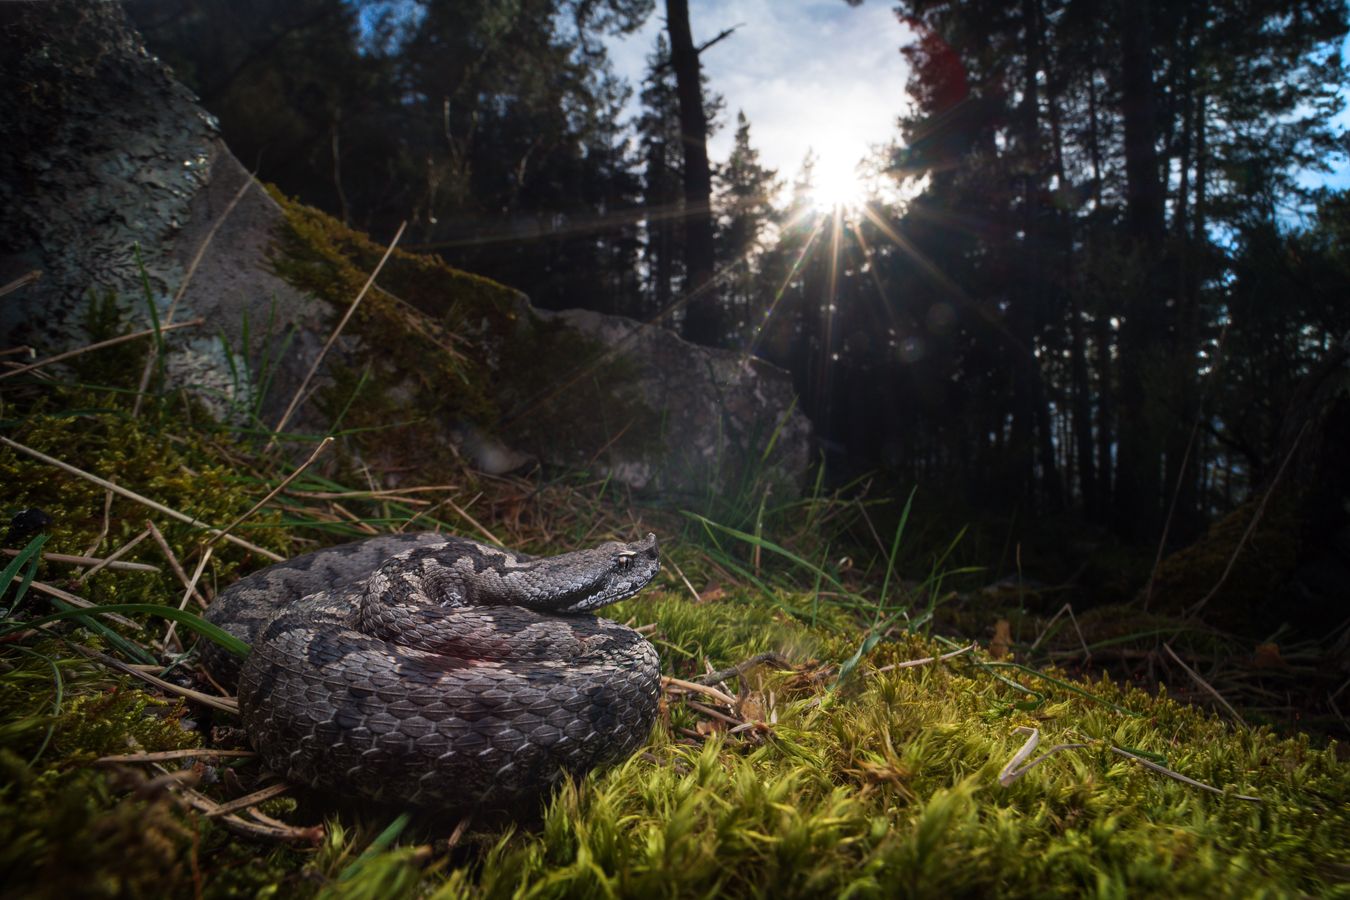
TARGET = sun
x,y
836,183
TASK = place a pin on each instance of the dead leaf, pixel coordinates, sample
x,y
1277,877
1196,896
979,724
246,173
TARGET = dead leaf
x,y
1001,645
1267,656
712,593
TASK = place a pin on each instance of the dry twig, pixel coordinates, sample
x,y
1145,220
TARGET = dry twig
x,y
110,342
667,682
225,704
259,796
114,556
175,566
163,755
73,600
912,663
225,532
312,834
75,560
169,633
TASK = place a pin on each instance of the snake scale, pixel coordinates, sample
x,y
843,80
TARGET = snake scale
x,y
437,671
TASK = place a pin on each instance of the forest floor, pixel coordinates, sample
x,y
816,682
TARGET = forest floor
x,y
855,747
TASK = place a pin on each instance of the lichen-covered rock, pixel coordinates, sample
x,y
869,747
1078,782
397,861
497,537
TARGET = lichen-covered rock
x,y
118,183
721,410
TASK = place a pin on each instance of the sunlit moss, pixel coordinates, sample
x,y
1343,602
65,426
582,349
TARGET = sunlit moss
x,y
885,784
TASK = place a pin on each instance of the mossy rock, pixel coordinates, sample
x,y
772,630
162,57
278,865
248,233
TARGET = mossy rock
x,y
1248,596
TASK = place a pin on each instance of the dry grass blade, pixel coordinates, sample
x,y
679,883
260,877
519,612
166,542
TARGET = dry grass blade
x,y
73,600
1209,688
912,663
398,495
680,572
113,557
267,793
22,281
1082,642
174,564
164,755
170,632
1010,772
225,532
1251,526
1163,770
290,834
225,704
110,342
77,560
332,338
132,495
464,514
688,687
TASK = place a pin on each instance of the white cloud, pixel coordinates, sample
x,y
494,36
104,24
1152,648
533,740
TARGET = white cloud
x,y
808,74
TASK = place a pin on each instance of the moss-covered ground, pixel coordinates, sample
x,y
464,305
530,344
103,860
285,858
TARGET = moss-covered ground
x,y
819,780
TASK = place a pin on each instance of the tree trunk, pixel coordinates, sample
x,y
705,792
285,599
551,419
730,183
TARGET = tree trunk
x,y
1138,480
703,314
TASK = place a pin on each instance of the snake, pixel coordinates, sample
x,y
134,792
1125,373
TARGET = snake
x,y
437,671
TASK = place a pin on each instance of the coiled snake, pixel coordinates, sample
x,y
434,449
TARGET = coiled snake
x,y
435,670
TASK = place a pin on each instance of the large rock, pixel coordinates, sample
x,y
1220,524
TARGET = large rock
x,y
113,182
721,410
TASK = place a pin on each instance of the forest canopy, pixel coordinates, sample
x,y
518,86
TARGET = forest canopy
x,y
1089,281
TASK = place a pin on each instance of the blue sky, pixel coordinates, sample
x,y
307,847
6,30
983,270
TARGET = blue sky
x,y
813,74
809,74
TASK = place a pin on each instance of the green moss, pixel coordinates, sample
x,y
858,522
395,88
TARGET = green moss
x,y
885,786
1262,568
446,345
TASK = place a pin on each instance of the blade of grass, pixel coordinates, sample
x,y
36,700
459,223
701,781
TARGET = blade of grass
x,y
187,619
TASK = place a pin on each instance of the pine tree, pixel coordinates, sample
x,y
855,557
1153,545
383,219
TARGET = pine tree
x,y
745,213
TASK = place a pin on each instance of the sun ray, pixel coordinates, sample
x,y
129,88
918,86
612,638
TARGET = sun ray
x,y
787,279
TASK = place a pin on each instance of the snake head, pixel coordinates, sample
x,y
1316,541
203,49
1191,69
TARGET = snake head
x,y
603,575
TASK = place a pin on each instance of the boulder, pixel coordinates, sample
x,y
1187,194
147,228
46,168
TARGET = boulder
x,y
116,184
